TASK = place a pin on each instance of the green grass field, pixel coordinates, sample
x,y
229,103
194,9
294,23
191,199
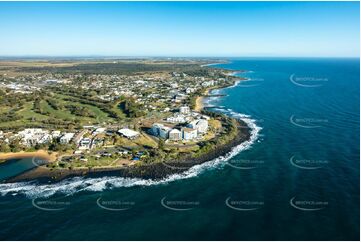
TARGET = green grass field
x,y
30,118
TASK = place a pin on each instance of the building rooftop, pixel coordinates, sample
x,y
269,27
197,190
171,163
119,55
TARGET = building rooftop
x,y
128,132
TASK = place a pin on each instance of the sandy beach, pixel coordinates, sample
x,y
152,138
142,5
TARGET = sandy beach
x,y
22,154
200,101
199,104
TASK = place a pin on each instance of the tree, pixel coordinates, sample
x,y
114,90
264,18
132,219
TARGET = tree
x,y
161,144
4,147
15,145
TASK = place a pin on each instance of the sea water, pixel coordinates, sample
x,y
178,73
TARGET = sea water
x,y
296,179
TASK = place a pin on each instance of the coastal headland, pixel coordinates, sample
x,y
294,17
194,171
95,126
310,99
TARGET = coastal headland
x,y
157,170
116,135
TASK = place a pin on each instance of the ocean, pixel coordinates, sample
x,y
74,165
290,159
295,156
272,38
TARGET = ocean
x,y
297,179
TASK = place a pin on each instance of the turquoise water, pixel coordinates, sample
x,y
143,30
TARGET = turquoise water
x,y
14,167
298,181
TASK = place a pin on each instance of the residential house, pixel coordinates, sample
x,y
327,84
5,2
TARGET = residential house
x,y
79,136
85,143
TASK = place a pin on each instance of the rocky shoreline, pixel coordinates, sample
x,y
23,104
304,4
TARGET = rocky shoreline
x,y
156,171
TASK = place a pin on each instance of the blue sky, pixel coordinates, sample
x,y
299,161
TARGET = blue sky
x,y
237,29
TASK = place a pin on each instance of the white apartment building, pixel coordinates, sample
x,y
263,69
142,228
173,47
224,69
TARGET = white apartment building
x,y
200,124
189,133
184,110
175,135
160,130
32,137
176,119
66,138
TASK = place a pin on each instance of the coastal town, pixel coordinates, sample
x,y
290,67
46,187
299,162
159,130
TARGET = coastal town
x,y
114,114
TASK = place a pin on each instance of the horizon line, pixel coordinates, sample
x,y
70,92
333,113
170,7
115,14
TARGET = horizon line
x,y
164,56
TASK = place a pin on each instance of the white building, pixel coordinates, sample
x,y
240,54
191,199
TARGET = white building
x,y
180,97
176,119
175,135
128,133
164,132
154,130
184,110
32,137
189,133
85,143
160,130
98,131
55,134
200,124
66,138
79,136
190,90
209,83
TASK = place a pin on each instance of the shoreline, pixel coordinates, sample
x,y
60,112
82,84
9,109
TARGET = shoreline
x,y
159,170
213,64
44,154
199,102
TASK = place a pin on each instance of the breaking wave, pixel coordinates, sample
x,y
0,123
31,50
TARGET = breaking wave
x,y
77,184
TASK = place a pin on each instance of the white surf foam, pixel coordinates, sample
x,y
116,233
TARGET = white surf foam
x,y
78,184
